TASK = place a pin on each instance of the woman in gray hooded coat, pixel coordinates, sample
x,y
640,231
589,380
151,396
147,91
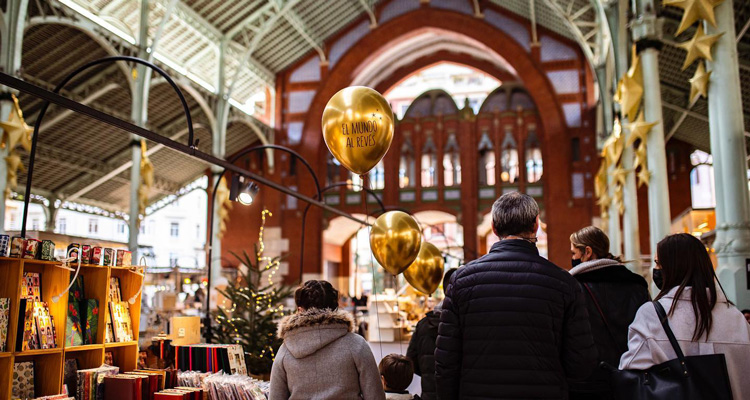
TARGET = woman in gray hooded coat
x,y
321,357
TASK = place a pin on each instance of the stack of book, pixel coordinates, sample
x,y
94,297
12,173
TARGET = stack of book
x,y
229,358
147,384
119,325
36,327
90,382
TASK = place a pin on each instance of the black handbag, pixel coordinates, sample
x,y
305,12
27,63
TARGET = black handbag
x,y
690,378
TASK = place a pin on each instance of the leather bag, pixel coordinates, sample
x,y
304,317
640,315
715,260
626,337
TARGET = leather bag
x,y
687,378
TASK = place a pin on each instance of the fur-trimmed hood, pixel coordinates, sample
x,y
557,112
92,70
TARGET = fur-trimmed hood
x,y
308,331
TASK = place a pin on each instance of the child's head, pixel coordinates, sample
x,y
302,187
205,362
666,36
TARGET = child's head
x,y
397,372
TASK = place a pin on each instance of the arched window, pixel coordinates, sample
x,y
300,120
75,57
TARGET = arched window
x,y
429,163
486,160
406,176
451,162
534,167
333,170
509,157
376,180
355,181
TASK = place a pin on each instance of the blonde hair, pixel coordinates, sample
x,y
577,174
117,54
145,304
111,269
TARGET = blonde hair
x,y
595,238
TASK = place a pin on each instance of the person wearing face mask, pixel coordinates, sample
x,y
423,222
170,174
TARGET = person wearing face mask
x,y
702,319
613,295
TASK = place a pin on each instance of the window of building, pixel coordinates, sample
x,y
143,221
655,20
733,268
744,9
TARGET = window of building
x,y
486,168
355,182
452,162
702,186
35,224
429,164
534,168
93,226
377,177
575,149
333,171
172,260
198,231
406,177
509,157
174,229
62,225
121,228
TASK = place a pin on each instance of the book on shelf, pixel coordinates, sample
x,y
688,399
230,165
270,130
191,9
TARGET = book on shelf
x,y
45,328
26,338
70,376
123,387
4,323
229,358
121,322
23,380
91,307
73,331
31,286
90,382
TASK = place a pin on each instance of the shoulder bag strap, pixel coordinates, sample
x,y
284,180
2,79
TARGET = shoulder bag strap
x,y
601,313
670,335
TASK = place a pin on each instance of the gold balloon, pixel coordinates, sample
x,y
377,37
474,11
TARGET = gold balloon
x,y
426,272
395,240
358,128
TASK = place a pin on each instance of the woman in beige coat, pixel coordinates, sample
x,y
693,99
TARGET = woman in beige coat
x,y
702,319
321,358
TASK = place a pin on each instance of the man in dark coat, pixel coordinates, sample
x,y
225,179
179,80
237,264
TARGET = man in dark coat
x,y
513,324
421,349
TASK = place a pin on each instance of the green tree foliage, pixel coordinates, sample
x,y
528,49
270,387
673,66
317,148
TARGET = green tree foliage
x,y
257,305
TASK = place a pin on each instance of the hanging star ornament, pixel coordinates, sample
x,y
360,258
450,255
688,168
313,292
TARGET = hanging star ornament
x,y
619,175
639,129
640,157
16,131
644,177
224,204
694,10
630,88
147,179
699,46
600,182
699,83
14,165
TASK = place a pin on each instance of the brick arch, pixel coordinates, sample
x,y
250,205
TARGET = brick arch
x,y
552,130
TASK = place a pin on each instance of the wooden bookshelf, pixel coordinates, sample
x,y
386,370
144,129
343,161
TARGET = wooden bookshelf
x,y
48,363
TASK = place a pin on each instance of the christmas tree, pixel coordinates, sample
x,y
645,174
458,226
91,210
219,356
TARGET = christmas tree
x,y
256,306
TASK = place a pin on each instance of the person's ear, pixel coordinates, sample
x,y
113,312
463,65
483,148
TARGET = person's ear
x,y
588,253
536,225
495,232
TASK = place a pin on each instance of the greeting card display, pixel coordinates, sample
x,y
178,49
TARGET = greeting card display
x,y
4,322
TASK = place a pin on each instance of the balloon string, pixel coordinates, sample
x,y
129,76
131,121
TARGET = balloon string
x,y
363,177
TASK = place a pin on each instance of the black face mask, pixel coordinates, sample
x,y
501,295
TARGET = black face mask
x,y
576,262
658,278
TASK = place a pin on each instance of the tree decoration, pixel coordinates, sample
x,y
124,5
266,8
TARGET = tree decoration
x,y
699,46
224,204
699,83
256,305
147,179
630,88
694,11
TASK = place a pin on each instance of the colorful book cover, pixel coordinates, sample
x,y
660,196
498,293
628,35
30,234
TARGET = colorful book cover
x,y
115,294
31,286
44,328
121,323
92,320
73,332
76,290
23,380
4,323
26,318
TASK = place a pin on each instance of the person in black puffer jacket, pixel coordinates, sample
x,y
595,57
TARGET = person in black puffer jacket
x,y
613,296
421,349
513,324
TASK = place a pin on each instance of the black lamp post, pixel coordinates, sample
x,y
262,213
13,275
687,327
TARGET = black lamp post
x,y
307,208
62,84
250,186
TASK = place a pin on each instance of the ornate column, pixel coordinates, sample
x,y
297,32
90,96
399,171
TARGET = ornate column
x,y
730,160
646,34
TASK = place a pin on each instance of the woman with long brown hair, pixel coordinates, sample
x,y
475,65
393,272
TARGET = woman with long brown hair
x,y
702,319
613,295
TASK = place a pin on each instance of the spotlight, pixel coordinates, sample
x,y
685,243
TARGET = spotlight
x,y
243,190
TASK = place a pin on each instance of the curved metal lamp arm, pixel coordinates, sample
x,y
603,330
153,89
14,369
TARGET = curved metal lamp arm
x,y
212,207
45,105
307,208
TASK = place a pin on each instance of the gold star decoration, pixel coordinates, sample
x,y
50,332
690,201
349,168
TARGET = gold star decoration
x,y
639,129
147,179
619,175
619,200
699,83
600,182
14,165
16,131
644,176
224,204
699,46
640,157
613,148
694,11
630,88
